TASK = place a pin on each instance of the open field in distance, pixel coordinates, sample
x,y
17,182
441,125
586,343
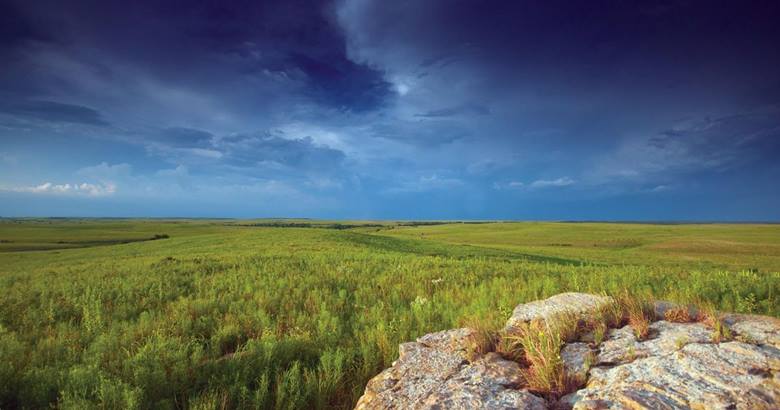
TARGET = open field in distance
x,y
300,314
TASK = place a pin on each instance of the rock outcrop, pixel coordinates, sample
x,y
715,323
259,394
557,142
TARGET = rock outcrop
x,y
576,303
679,366
433,372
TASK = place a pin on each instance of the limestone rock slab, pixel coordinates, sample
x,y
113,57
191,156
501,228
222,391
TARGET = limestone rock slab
x,y
577,303
433,373
731,375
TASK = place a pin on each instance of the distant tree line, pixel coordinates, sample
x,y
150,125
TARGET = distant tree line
x,y
338,225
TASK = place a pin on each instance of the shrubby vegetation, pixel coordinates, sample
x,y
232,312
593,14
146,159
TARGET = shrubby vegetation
x,y
257,317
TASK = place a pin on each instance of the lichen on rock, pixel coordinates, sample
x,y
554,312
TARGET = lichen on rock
x,y
680,366
576,303
700,375
433,373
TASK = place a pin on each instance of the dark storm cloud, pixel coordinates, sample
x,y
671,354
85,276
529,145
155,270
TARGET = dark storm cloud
x,y
187,137
590,35
428,133
232,50
734,140
594,69
15,28
474,109
283,154
737,144
54,112
272,150
338,82
296,39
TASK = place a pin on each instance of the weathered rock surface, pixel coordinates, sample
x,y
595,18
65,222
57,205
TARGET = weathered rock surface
x,y
729,375
577,303
489,383
677,367
755,329
577,359
621,346
433,373
419,371
680,368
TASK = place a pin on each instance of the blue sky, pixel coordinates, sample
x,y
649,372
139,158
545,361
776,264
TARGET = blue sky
x,y
398,110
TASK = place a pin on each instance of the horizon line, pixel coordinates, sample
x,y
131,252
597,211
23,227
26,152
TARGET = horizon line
x,y
443,221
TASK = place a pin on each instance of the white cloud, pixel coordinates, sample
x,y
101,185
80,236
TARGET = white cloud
x,y
426,183
508,185
544,183
660,188
401,85
83,188
319,135
105,172
179,154
179,171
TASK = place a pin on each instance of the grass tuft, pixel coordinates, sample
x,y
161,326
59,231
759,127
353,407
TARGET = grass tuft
x,y
639,312
541,342
680,342
511,348
599,332
714,320
567,325
481,342
679,314
611,314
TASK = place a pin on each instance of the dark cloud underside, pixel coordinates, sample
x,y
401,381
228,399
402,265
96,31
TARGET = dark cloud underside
x,y
55,112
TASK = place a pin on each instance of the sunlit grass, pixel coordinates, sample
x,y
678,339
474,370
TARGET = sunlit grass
x,y
695,246
278,317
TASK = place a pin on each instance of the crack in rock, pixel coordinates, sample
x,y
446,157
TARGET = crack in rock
x,y
680,367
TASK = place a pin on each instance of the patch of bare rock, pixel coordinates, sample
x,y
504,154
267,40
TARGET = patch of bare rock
x,y
678,367
433,373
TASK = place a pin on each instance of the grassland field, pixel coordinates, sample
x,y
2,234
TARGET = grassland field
x,y
113,313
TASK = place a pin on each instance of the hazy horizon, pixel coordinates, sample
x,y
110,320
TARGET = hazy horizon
x,y
304,219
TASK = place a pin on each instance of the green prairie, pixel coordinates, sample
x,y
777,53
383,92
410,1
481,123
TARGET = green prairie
x,y
300,314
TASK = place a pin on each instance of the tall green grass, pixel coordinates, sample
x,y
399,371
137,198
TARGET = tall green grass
x,y
276,317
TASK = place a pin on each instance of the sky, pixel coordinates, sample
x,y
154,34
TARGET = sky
x,y
361,109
